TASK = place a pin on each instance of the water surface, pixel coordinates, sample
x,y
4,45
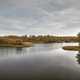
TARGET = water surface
x,y
40,62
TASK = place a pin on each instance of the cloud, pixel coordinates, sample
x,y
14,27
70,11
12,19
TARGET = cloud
x,y
39,16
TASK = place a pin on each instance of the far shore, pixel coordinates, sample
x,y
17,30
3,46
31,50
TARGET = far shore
x,y
28,41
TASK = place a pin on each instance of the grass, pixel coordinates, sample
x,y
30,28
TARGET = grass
x,y
72,48
27,41
16,45
41,38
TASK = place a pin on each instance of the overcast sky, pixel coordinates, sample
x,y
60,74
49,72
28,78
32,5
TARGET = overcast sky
x,y
31,17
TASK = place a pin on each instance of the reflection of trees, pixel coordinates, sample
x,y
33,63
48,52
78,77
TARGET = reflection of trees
x,y
78,56
7,51
19,50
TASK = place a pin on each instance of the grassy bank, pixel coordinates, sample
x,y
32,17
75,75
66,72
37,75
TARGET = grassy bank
x,y
72,48
10,42
16,45
43,39
26,41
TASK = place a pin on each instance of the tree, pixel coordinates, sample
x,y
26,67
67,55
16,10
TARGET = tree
x,y
78,38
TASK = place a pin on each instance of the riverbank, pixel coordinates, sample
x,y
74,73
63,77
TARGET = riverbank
x,y
42,38
28,41
72,48
17,45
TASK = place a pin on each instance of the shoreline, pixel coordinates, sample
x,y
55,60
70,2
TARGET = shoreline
x,y
72,48
17,45
28,41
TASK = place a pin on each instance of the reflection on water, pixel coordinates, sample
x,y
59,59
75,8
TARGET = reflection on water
x,y
7,51
78,56
37,49
10,51
41,62
19,50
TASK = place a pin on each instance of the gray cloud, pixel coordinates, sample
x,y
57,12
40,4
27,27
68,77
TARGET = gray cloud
x,y
39,16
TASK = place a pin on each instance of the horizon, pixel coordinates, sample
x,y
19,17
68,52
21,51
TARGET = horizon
x,y
37,35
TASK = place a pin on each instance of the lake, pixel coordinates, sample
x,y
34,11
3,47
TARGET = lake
x,y
40,62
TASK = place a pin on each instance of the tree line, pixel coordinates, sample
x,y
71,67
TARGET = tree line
x,y
14,39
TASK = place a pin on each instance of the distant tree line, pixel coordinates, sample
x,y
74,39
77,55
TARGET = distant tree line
x,y
37,39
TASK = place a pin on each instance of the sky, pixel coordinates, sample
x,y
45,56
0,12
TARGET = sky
x,y
36,17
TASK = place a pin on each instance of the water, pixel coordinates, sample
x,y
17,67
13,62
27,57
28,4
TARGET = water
x,y
41,62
